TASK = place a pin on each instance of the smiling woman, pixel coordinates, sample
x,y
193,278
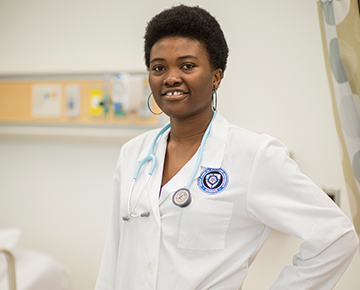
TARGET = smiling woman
x,y
182,80
207,194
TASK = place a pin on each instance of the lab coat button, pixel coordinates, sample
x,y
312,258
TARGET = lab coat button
x,y
151,268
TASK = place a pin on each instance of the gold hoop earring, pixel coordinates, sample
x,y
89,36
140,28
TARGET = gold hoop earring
x,y
148,104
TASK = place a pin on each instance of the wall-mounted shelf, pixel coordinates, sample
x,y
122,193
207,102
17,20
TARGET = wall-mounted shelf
x,y
106,134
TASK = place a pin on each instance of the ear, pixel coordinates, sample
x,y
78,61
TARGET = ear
x,y
217,77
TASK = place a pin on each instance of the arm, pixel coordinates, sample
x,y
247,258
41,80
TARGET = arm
x,y
281,197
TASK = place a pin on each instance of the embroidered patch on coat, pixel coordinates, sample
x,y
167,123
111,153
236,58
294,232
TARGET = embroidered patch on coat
x,y
213,180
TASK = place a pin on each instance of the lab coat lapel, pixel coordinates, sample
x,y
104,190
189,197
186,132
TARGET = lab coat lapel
x,y
155,181
215,145
179,180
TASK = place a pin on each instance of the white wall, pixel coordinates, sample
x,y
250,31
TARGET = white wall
x,y
58,189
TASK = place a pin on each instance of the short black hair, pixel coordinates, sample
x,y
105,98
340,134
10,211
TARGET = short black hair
x,y
191,22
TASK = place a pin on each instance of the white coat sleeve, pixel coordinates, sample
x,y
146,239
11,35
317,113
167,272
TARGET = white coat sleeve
x,y
107,274
283,198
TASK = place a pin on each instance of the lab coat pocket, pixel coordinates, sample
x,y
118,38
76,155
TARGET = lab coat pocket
x,y
204,224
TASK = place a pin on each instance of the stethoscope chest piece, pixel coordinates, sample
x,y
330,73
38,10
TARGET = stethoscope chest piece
x,y
182,197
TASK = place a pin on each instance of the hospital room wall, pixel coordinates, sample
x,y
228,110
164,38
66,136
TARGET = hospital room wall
x,y
58,190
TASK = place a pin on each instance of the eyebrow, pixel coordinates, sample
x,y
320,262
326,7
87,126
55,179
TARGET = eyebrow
x,y
179,58
187,56
157,59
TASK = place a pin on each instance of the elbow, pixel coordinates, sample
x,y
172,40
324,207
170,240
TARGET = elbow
x,y
355,241
351,242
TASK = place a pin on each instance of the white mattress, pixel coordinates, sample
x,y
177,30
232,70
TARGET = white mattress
x,y
35,271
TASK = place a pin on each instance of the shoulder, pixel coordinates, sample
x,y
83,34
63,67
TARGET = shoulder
x,y
241,144
243,139
135,146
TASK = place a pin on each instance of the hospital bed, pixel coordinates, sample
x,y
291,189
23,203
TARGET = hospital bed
x,y
23,269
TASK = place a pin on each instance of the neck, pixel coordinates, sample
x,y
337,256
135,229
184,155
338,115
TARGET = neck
x,y
191,129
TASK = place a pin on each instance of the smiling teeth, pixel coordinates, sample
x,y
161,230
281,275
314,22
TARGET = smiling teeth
x,y
173,93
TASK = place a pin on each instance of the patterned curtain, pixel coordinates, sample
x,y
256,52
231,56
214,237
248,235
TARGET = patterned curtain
x,y
340,29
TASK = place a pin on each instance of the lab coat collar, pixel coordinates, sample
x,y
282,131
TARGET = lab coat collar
x,y
215,144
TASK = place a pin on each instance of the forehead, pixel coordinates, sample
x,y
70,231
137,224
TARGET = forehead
x,y
178,46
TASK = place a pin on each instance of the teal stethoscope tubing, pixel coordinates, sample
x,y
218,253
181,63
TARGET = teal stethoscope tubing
x,y
151,157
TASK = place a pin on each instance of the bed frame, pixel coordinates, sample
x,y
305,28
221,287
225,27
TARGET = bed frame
x,y
11,267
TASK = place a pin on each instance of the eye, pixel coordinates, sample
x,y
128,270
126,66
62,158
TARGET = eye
x,y
158,68
187,66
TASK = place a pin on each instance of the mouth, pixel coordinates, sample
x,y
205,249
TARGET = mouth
x,y
174,94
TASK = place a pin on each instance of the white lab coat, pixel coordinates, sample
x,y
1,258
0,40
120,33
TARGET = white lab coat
x,y
211,243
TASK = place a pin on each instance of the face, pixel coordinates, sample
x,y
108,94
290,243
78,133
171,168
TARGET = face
x,y
181,77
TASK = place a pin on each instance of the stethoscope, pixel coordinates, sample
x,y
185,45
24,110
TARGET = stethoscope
x,y
182,196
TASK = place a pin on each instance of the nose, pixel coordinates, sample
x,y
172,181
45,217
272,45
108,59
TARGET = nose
x,y
172,78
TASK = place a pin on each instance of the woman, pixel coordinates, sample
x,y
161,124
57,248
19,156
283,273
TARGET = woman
x,y
218,191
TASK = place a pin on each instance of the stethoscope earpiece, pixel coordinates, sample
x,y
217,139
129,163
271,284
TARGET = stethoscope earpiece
x,y
182,197
127,217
